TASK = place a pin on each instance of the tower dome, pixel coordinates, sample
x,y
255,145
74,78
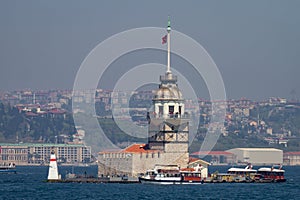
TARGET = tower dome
x,y
168,93
168,101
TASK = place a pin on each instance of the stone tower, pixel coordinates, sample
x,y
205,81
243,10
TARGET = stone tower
x,y
168,133
168,124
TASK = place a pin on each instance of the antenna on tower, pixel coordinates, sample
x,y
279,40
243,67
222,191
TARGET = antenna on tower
x,y
168,41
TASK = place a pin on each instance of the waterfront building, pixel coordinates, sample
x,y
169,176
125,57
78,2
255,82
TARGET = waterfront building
x,y
291,158
216,157
258,156
65,153
195,163
24,154
14,153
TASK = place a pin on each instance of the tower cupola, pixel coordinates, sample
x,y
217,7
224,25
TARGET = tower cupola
x,y
168,101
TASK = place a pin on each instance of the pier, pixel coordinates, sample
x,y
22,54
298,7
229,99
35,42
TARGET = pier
x,y
119,180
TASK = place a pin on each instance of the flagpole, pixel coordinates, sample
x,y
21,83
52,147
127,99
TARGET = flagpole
x,y
169,48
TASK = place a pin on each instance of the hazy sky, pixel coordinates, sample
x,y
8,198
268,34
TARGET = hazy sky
x,y
255,44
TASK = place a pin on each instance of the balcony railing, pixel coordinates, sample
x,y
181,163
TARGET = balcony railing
x,y
169,116
164,78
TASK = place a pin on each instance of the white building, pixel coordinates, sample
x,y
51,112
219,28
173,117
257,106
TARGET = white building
x,y
258,156
38,153
66,153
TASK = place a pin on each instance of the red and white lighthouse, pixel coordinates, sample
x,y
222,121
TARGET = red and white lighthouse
x,y
53,171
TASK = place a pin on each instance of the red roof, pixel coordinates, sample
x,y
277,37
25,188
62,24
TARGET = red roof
x,y
188,169
137,148
211,153
192,159
292,153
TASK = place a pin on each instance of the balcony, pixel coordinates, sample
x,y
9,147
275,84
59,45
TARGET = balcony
x,y
166,79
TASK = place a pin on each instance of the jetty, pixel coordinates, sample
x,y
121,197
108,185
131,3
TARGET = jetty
x,y
55,177
95,180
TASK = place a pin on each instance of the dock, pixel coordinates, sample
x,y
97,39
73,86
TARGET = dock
x,y
119,180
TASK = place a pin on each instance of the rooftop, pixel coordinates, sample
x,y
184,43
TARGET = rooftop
x,y
211,153
197,160
134,148
137,148
292,153
41,145
256,149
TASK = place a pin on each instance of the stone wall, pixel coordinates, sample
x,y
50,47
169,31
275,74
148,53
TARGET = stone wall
x,y
137,163
114,164
143,162
176,147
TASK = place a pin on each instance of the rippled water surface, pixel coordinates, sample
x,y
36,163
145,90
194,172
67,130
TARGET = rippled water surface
x,y
29,183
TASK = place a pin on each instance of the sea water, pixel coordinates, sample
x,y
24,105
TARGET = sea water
x,y
29,183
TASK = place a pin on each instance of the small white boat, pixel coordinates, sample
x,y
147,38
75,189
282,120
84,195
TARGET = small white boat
x,y
10,168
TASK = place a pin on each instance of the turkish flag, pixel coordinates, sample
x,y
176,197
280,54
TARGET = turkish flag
x,y
164,39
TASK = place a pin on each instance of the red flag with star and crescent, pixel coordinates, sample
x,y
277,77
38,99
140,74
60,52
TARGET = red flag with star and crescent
x,y
164,39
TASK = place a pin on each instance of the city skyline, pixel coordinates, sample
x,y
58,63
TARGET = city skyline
x,y
253,43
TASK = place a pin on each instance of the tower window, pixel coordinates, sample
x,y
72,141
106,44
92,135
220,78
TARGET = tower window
x,y
171,110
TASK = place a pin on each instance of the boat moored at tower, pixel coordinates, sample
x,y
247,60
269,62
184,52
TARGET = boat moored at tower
x,y
172,174
249,175
271,174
